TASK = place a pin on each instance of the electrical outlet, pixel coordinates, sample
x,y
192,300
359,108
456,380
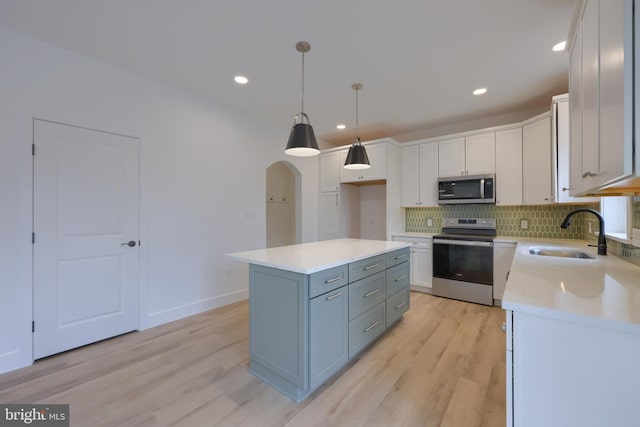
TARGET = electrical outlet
x,y
524,224
429,222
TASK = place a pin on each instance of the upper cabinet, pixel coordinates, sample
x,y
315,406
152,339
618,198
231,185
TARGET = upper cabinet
x,y
537,176
330,171
419,175
472,155
601,96
378,171
509,167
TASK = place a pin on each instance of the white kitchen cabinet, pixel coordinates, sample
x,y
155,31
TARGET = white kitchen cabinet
x,y
601,95
503,253
560,140
419,175
329,216
421,261
472,155
509,167
330,171
570,372
378,171
537,176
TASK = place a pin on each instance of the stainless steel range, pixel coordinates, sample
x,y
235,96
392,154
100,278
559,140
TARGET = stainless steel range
x,y
463,259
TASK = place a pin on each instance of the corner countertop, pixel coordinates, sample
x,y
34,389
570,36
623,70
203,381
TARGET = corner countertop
x,y
588,290
308,258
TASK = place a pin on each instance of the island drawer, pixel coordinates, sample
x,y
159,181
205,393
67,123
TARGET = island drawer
x,y
366,328
397,305
397,257
366,293
328,280
397,278
366,267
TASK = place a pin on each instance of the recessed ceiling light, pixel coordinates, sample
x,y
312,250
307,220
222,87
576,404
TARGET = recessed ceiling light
x,y
241,80
341,126
560,46
480,91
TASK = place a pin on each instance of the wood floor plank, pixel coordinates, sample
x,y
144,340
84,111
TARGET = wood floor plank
x,y
442,364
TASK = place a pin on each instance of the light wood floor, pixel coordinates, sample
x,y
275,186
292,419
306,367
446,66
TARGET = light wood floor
x,y
442,365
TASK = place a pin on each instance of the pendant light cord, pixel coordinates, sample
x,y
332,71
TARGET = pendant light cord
x,y
357,137
302,101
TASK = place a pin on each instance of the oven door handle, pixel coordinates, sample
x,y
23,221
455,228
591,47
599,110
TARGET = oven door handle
x,y
463,243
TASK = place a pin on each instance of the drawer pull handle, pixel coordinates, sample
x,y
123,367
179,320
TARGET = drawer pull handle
x,y
334,296
371,326
401,256
369,267
400,305
371,293
333,279
404,276
589,174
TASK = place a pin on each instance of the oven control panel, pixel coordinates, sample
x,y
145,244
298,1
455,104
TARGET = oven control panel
x,y
477,223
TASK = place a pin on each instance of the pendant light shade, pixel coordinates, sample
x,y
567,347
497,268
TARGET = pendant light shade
x,y
302,141
357,156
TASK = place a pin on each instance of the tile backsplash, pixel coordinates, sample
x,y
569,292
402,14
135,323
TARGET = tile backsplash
x,y
542,220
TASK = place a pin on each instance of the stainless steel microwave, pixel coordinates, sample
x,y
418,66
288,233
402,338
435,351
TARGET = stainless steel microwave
x,y
467,189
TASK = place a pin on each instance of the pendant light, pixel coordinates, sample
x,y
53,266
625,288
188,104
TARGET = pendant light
x,y
357,156
302,141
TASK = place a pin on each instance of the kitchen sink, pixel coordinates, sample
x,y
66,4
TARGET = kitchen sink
x,y
561,252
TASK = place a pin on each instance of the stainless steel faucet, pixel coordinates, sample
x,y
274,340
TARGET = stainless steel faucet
x,y
602,242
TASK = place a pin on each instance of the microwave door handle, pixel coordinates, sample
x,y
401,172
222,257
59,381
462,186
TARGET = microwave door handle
x,y
482,188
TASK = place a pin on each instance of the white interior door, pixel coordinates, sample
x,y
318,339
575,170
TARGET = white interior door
x,y
86,208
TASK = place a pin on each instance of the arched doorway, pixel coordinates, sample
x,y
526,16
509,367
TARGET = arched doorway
x,y
283,204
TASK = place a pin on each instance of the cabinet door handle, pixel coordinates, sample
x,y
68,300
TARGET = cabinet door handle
x,y
369,267
400,256
334,279
334,296
403,303
371,326
404,276
566,188
371,293
589,174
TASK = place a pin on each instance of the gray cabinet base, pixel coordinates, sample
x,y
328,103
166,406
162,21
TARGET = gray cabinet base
x,y
276,381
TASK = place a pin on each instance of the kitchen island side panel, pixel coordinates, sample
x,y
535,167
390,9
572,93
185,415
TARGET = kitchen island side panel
x,y
278,305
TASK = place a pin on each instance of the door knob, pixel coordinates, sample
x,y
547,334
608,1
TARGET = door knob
x,y
130,243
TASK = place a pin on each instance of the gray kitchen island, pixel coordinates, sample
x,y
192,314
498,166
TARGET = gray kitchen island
x,y
313,307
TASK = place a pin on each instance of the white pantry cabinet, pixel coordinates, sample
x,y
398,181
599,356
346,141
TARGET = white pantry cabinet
x,y
509,167
601,95
537,177
330,171
419,175
471,155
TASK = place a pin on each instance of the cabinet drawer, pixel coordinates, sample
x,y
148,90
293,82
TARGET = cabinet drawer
x,y
396,257
366,293
328,280
366,328
397,305
366,267
397,278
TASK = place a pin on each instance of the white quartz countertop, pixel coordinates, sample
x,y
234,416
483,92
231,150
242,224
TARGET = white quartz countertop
x,y
311,257
592,290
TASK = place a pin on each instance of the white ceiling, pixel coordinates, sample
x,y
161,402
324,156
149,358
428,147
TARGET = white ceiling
x,y
419,60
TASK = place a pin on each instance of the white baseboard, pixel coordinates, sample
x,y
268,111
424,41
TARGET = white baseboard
x,y
13,360
186,310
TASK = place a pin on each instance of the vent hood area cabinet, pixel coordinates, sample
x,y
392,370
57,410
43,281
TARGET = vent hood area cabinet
x,y
378,171
601,99
471,155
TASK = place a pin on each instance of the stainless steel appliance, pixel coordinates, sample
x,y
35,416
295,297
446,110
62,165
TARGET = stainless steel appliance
x,y
467,189
463,259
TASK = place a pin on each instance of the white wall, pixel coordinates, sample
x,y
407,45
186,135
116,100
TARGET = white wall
x,y
196,202
280,205
373,212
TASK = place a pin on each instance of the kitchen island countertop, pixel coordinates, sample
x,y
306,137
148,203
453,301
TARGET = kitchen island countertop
x,y
308,258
